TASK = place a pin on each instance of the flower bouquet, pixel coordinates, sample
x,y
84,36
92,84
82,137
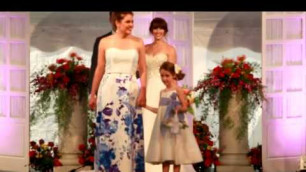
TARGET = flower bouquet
x,y
44,157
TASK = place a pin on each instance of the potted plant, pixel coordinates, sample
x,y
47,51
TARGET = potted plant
x,y
209,153
43,157
232,91
232,77
88,152
62,88
255,158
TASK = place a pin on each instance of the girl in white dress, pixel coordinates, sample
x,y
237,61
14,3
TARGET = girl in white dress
x,y
171,143
157,52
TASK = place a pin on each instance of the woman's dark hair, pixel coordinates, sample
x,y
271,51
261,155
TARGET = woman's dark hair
x,y
170,67
158,23
118,16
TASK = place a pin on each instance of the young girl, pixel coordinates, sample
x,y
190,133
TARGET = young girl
x,y
171,142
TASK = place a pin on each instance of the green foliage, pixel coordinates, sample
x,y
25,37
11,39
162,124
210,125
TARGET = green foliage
x,y
216,89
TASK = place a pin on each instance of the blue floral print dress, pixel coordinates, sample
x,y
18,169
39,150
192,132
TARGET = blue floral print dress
x,y
119,126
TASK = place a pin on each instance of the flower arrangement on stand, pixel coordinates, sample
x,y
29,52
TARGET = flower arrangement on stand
x,y
64,82
204,139
225,80
44,157
255,158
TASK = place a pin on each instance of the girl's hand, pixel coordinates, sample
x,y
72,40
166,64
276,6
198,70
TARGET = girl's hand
x,y
178,109
182,97
92,102
152,109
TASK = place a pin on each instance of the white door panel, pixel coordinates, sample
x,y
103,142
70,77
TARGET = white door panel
x,y
14,91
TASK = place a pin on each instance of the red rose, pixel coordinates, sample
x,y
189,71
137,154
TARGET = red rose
x,y
51,144
56,162
60,61
66,66
91,140
35,147
52,67
241,83
210,143
250,76
227,71
82,147
235,75
66,80
254,161
73,54
241,58
217,162
32,154
81,160
87,152
227,63
58,74
41,141
246,67
238,71
248,87
207,162
216,70
32,143
207,153
55,149
91,159
221,74
62,86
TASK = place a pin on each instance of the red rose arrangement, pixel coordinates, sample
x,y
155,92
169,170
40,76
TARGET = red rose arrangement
x,y
44,157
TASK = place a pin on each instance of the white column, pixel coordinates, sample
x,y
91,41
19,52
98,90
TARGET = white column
x,y
233,151
70,139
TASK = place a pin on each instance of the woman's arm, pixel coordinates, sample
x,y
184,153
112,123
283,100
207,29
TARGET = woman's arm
x,y
99,72
143,73
172,55
137,72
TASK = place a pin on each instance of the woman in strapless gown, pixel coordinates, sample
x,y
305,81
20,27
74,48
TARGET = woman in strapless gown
x,y
156,53
119,126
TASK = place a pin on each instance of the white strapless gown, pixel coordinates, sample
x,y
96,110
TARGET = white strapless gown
x,y
154,86
119,126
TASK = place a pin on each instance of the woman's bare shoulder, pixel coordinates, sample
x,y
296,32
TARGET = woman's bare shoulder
x,y
148,45
136,39
170,48
106,41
